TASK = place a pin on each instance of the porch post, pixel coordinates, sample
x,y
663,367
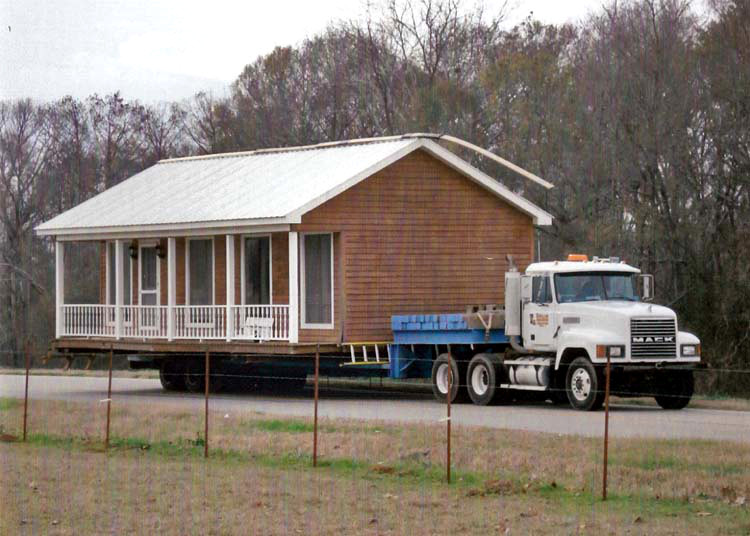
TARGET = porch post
x,y
230,287
171,285
293,287
59,289
119,288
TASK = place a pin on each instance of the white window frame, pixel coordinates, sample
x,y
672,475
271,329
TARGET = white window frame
x,y
213,268
242,267
108,283
303,273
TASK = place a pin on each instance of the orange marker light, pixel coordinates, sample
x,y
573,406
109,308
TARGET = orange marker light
x,y
578,257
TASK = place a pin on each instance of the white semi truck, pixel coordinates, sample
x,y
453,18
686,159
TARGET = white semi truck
x,y
563,319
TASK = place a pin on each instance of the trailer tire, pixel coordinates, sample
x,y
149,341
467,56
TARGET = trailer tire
x,y
440,378
171,375
483,379
584,385
675,390
194,376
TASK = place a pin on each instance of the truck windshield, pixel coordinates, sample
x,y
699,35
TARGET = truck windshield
x,y
595,286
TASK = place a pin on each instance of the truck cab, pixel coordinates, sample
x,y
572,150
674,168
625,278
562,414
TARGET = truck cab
x,y
579,313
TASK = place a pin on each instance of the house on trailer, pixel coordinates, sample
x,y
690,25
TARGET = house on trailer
x,y
273,251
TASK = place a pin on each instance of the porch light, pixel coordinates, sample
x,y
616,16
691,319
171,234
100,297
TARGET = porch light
x,y
160,252
133,252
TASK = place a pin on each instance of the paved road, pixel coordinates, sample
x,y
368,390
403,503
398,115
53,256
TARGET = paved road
x,y
625,420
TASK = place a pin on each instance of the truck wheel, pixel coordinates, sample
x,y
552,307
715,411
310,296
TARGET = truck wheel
x,y
441,376
194,376
483,379
675,389
171,376
583,385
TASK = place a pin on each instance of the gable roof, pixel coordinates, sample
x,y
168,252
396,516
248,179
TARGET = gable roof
x,y
264,187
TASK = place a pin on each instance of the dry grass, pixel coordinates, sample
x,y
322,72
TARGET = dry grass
x,y
260,476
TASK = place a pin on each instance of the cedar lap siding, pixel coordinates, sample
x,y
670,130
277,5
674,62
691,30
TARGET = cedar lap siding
x,y
416,237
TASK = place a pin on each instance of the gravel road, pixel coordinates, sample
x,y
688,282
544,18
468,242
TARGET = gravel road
x,y
625,420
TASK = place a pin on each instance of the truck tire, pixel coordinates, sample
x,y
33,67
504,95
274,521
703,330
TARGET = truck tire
x,y
194,376
171,375
675,389
483,379
440,377
584,386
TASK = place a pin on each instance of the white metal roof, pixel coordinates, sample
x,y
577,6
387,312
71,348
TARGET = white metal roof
x,y
251,189
577,266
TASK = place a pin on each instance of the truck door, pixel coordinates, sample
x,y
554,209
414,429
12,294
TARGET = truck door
x,y
538,315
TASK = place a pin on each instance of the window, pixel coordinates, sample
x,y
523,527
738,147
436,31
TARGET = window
x,y
257,270
127,294
200,270
595,286
540,289
317,280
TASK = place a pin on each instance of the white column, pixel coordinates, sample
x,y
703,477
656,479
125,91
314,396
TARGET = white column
x,y
230,286
293,287
171,285
59,289
119,288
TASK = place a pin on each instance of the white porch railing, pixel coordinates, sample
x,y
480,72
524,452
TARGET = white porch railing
x,y
88,320
260,322
198,322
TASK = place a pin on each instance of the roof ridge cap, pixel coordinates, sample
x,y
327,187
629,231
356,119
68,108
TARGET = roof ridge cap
x,y
299,148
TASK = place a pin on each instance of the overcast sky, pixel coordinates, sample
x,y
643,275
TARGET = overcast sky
x,y
168,50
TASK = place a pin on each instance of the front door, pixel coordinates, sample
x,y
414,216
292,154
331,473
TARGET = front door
x,y
538,315
149,287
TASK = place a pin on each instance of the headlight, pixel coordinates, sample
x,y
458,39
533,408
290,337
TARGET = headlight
x,y
691,350
615,351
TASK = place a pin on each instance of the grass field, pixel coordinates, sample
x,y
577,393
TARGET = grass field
x,y
372,478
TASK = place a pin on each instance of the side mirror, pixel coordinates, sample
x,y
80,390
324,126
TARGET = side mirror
x,y
647,286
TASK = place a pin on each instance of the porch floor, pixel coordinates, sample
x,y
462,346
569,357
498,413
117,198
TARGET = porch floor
x,y
94,344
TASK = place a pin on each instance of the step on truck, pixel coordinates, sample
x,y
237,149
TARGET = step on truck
x,y
560,323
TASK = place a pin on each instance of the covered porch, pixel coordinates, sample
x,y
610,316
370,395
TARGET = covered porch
x,y
200,286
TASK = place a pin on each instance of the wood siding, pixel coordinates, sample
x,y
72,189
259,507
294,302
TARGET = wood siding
x,y
418,238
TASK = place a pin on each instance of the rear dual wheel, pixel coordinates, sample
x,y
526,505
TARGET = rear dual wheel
x,y
448,374
484,378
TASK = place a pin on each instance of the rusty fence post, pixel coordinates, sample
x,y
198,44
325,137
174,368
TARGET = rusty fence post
x,y
606,431
315,396
205,431
26,389
448,427
109,398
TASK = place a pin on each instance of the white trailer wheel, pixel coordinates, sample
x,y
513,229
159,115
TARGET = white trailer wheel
x,y
480,379
484,378
442,378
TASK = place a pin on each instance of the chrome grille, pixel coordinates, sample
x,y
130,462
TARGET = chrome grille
x,y
653,338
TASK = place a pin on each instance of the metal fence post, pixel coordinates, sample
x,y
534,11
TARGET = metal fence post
x,y
205,431
109,398
26,389
448,428
315,418
606,432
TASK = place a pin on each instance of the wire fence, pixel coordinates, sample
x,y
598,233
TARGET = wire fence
x,y
283,454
